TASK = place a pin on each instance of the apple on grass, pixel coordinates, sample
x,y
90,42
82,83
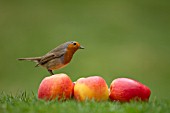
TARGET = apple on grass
x,y
90,88
125,89
57,86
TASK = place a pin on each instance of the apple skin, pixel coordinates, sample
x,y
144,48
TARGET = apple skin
x,y
125,89
91,88
57,86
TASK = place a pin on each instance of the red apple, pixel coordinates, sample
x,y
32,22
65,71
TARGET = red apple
x,y
125,89
93,87
57,86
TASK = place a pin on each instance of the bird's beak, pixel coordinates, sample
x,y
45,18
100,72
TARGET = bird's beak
x,y
81,47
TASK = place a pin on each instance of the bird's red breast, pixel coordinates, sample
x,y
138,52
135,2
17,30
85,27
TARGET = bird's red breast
x,y
71,49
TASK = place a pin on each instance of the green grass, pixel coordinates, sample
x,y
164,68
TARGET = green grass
x,y
28,103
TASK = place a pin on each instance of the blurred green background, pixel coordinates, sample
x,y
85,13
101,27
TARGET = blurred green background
x,y
122,39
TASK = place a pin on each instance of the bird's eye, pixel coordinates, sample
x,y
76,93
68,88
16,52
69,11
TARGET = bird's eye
x,y
74,43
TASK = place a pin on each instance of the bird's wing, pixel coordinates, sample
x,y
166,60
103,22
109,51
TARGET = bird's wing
x,y
50,56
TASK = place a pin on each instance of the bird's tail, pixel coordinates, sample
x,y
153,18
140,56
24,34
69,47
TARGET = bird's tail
x,y
35,59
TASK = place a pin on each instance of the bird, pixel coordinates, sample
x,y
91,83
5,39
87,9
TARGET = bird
x,y
58,57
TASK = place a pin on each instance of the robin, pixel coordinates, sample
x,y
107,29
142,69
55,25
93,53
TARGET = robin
x,y
57,58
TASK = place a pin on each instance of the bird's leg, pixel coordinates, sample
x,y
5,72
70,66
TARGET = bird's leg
x,y
51,72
